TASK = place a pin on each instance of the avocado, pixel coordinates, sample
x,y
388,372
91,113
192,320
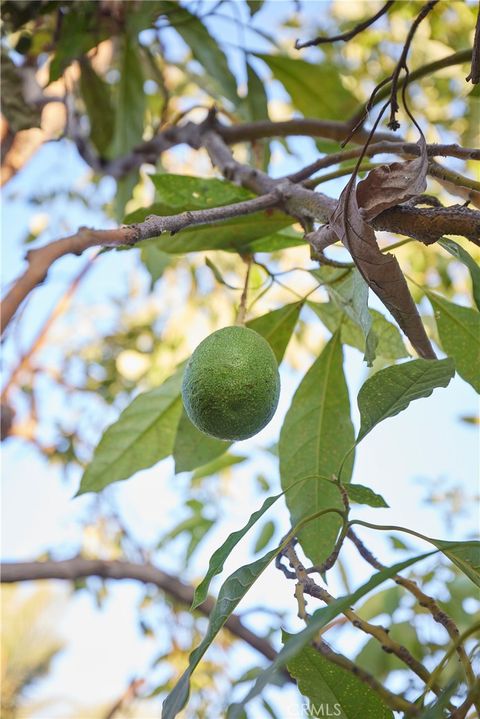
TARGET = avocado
x,y
231,384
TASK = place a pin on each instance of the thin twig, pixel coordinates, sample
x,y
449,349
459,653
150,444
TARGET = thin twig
x,y
423,599
346,35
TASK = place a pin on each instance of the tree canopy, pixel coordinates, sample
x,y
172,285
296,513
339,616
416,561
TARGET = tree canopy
x,y
308,170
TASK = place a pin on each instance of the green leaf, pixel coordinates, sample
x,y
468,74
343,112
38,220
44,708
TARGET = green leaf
x,y
96,96
254,6
364,495
265,535
391,390
232,591
238,234
204,49
125,187
79,32
317,621
459,332
277,327
217,465
130,101
328,685
316,435
185,192
316,89
156,261
218,558
194,448
390,344
384,602
378,662
142,436
356,307
256,99
465,555
461,254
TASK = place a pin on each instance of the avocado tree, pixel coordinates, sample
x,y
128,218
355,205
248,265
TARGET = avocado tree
x,y
304,174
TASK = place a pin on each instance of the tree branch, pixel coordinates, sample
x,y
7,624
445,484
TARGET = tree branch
x,y
474,75
426,225
346,35
40,259
77,568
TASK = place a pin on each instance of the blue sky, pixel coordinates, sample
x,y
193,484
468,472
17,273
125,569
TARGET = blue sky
x,y
425,446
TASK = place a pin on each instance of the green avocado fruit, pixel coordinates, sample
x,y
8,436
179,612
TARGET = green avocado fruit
x,y
231,384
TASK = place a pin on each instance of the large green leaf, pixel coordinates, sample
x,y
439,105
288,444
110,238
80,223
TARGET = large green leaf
x,y
194,448
96,96
459,332
204,49
316,435
232,591
142,436
318,620
185,192
224,461
391,390
277,327
256,99
390,344
329,686
316,89
461,254
466,556
220,555
130,101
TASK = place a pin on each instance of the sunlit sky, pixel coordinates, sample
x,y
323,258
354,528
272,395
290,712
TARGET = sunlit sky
x,y
426,442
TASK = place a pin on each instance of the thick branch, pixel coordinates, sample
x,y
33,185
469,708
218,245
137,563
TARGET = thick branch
x,y
41,259
77,568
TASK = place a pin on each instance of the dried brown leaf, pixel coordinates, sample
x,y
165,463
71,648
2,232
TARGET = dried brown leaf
x,y
390,185
381,271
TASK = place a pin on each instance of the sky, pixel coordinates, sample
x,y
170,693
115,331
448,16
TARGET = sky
x,y
425,446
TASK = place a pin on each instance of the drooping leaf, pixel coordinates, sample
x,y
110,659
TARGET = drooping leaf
x,y
380,270
205,49
277,327
391,390
224,461
96,96
232,591
465,555
218,558
316,435
461,254
265,535
326,684
459,331
318,620
390,344
130,101
392,184
156,261
256,100
142,436
316,89
364,495
193,448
